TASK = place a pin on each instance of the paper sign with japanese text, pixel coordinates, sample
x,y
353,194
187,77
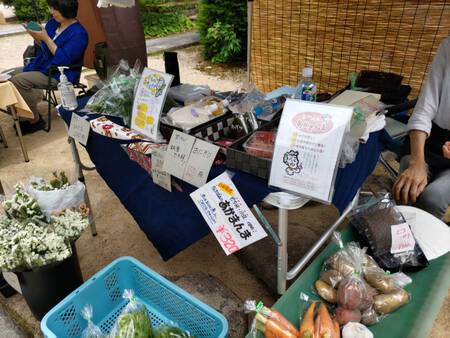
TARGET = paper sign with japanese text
x,y
200,161
402,238
79,128
307,148
160,177
149,102
226,213
178,153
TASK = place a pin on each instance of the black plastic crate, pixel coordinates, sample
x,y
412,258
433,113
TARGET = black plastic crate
x,y
238,158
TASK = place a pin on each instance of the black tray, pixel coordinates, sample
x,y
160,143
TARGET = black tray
x,y
238,159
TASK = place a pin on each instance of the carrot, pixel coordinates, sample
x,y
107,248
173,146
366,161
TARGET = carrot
x,y
275,329
317,327
278,317
326,323
307,327
337,330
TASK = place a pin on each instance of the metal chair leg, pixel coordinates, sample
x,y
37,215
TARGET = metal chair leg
x,y
19,133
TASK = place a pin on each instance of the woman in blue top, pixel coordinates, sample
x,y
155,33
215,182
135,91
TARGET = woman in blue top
x,y
62,42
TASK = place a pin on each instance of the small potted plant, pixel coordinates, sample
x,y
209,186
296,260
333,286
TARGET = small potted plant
x,y
40,249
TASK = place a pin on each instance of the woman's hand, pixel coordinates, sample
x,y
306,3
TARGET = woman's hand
x,y
446,149
411,183
39,36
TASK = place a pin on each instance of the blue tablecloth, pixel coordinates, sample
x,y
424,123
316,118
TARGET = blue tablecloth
x,y
170,220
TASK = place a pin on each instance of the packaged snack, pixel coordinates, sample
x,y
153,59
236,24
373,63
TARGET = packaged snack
x,y
261,144
92,331
374,221
134,321
270,322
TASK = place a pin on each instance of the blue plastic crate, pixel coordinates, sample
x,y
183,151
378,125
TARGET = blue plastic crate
x,y
165,303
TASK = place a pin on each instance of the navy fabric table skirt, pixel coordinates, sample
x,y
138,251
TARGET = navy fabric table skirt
x,y
170,219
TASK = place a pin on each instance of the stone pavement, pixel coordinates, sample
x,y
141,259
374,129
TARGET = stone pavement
x,y
7,328
172,42
11,29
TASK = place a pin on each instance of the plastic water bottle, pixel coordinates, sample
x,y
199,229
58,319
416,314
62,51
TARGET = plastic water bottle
x,y
307,89
68,97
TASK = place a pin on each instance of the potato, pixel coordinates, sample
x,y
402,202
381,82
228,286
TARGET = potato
x,y
326,291
369,262
339,263
350,293
381,281
387,303
343,316
369,317
331,277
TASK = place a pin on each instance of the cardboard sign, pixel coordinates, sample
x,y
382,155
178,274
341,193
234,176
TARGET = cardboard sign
x,y
226,213
200,162
402,238
190,159
79,128
178,153
149,102
308,147
160,177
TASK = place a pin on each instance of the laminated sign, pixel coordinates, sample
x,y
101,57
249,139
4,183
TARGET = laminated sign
x,y
226,213
308,147
149,102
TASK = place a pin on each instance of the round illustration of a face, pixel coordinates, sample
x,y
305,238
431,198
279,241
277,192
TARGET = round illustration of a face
x,y
155,83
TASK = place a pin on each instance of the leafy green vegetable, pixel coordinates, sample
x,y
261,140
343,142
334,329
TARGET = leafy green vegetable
x,y
166,331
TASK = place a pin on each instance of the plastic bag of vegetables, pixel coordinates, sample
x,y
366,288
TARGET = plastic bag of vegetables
x,y
116,97
270,322
134,321
91,331
170,330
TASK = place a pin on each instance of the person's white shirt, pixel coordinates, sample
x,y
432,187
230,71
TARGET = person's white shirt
x,y
433,104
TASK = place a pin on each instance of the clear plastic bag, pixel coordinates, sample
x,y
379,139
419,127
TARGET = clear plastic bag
x,y
134,321
170,330
270,322
373,222
91,331
116,97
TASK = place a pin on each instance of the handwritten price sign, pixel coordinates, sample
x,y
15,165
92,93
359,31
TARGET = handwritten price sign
x,y
226,213
402,238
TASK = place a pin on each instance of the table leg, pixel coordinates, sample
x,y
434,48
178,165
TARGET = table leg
x,y
19,133
282,262
3,138
79,168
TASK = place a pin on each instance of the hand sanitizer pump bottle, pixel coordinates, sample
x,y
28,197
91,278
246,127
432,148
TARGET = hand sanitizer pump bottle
x,y
68,97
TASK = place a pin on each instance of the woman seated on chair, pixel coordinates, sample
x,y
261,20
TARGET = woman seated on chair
x,y
62,42
425,173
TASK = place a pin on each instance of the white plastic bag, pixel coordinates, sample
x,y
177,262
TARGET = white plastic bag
x,y
60,199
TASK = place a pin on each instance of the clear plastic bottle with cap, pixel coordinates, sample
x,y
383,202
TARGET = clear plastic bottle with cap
x,y
307,89
68,97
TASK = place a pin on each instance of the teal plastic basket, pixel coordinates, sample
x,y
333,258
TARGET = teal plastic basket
x,y
165,303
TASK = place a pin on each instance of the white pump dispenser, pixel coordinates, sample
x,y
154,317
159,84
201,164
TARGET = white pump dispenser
x,y
68,97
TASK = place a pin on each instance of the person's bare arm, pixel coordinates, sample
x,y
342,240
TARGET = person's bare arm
x,y
413,180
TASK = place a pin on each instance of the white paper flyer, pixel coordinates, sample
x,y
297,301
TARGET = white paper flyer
x,y
307,148
226,213
149,102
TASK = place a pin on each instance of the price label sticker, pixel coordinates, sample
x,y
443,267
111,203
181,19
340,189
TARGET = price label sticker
x,y
79,128
160,177
402,238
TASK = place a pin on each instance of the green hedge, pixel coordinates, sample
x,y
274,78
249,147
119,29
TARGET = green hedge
x,y
223,29
25,11
162,23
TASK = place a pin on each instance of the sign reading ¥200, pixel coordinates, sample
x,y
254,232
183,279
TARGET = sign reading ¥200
x,y
226,213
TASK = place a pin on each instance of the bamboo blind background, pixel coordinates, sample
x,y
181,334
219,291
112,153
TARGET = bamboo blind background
x,y
337,37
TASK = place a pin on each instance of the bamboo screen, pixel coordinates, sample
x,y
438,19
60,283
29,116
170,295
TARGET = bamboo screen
x,y
337,37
